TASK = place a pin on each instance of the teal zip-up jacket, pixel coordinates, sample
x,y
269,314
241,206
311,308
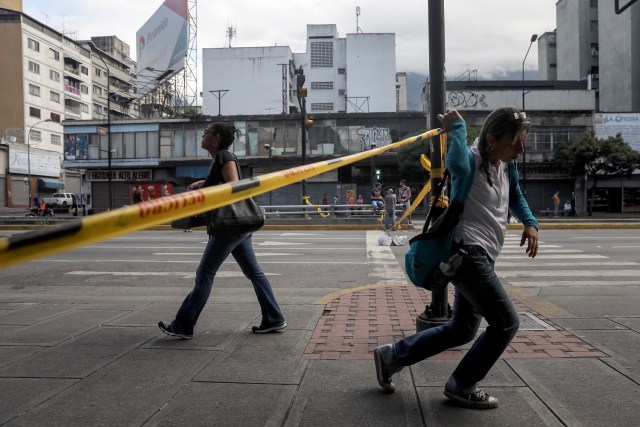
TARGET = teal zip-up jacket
x,y
461,165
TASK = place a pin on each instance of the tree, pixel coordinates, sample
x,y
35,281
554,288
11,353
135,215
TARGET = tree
x,y
598,157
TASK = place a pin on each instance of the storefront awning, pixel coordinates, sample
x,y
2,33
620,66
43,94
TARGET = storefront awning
x,y
192,171
54,184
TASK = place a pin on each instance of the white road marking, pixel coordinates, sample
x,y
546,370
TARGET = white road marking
x,y
384,266
565,256
185,275
568,264
570,273
547,284
200,254
279,244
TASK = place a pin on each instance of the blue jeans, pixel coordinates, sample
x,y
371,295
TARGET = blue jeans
x,y
479,293
217,250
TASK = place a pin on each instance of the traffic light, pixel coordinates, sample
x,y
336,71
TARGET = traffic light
x,y
378,174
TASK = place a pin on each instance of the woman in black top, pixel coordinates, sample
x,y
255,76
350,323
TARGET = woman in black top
x,y
217,138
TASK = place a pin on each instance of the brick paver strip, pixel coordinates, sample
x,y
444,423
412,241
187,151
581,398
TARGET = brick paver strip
x,y
352,325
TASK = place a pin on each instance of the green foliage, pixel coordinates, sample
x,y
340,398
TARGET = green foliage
x,y
598,157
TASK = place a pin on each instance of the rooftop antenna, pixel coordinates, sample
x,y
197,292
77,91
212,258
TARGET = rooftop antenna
x,y
358,29
231,33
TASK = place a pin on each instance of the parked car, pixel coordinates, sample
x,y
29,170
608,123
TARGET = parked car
x,y
60,200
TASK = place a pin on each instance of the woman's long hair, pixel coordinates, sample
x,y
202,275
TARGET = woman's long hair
x,y
505,121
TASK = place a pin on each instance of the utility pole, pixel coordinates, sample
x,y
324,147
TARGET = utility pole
x,y
219,93
108,125
438,312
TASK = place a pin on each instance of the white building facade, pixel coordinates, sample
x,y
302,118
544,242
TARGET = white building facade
x,y
352,74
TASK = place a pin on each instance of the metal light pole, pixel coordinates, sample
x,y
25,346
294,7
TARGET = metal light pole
x,y
270,149
29,157
438,311
534,37
108,125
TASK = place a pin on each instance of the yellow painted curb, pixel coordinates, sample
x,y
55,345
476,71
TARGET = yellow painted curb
x,y
337,294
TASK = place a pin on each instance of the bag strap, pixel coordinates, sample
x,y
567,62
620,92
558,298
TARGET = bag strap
x,y
435,199
218,162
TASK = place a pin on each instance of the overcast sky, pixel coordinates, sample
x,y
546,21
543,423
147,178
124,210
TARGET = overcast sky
x,y
484,35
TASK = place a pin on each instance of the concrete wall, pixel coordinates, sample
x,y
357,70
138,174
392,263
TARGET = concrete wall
x,y
547,57
620,52
11,82
371,70
536,100
574,39
252,76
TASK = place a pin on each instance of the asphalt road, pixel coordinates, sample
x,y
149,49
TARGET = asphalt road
x,y
320,262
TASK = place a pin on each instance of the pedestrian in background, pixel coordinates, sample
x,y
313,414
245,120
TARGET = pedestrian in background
x,y
556,203
404,193
479,237
390,209
217,138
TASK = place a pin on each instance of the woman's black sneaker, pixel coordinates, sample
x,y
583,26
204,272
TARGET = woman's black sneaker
x,y
476,400
169,329
266,329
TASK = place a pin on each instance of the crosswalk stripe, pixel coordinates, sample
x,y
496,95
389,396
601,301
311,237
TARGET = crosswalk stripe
x,y
570,264
570,273
548,284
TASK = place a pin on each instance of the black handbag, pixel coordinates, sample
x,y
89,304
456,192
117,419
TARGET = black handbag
x,y
241,217
244,216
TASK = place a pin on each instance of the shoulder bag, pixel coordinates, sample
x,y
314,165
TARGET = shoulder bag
x,y
244,216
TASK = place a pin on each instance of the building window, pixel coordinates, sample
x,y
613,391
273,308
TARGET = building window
x,y
35,135
98,72
34,112
342,71
55,117
56,139
97,109
594,49
321,106
97,90
54,54
33,45
85,108
321,54
34,90
54,97
34,68
593,4
593,25
54,75
553,65
321,85
341,92
84,89
84,70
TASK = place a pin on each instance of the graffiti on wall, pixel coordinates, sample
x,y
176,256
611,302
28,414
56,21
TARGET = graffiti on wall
x,y
374,137
465,99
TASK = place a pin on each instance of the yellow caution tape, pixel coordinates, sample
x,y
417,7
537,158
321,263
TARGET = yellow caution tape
x,y
55,239
322,214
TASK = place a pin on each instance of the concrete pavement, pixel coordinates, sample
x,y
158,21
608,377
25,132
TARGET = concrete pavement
x,y
93,355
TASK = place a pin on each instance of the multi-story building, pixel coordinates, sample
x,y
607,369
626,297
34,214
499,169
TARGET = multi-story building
x,y
596,44
352,74
46,78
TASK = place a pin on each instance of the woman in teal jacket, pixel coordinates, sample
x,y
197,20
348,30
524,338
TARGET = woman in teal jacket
x,y
479,235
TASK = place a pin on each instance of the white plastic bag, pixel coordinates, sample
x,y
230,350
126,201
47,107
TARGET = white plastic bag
x,y
398,240
384,239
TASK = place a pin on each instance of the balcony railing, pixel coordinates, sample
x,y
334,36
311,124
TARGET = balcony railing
x,y
72,89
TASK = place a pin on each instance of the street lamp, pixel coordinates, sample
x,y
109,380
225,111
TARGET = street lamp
x,y
93,46
534,37
270,149
29,157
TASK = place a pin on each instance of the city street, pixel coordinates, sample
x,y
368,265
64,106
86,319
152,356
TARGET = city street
x,y
79,343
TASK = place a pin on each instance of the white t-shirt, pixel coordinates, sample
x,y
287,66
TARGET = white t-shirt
x,y
484,220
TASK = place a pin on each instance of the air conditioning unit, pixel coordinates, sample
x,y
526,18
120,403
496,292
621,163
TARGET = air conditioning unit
x,y
11,138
